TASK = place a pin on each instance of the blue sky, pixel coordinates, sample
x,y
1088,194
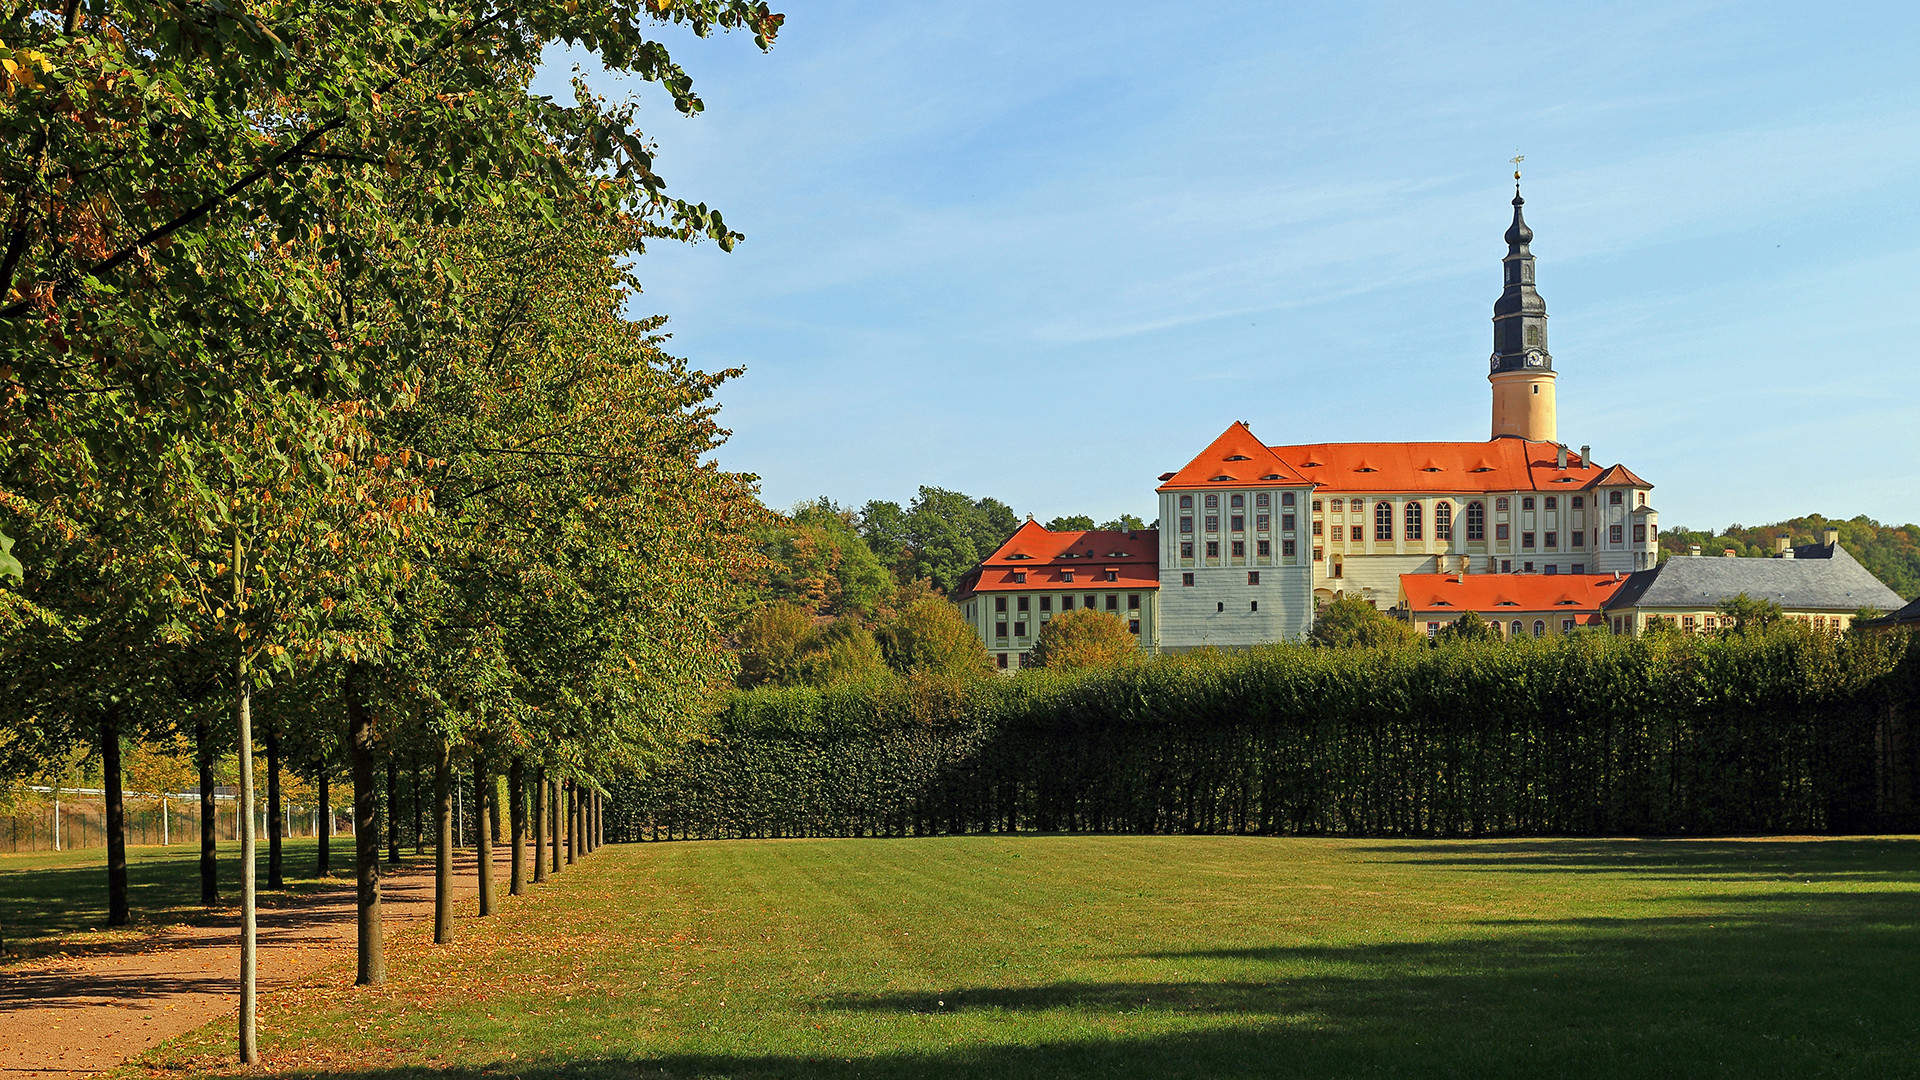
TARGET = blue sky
x,y
1047,252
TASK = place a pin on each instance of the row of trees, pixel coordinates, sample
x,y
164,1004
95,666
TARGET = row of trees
x,y
325,424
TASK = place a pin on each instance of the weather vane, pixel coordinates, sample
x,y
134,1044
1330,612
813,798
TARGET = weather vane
x,y
1517,159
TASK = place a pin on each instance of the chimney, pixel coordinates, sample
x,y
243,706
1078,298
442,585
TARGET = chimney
x,y
1783,546
1560,457
1729,553
1830,537
1616,575
1586,457
1693,550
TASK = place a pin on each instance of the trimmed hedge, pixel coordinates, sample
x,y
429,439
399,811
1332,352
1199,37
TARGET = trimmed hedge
x,y
1587,735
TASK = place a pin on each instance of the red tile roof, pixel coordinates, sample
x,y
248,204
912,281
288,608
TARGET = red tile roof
x,y
1236,457
1503,464
1498,594
1046,559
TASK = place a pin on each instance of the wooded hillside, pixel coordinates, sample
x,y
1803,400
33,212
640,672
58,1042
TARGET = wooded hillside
x,y
1891,552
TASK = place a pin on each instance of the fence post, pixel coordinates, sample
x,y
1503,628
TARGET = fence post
x,y
165,836
56,823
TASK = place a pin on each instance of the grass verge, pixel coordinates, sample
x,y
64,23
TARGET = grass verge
x,y
1047,956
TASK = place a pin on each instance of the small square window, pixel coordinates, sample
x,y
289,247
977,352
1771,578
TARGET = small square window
x,y
999,603
1213,549
1500,531
1526,503
1186,580
1553,540
1553,502
1506,566
1186,502
1021,603
1526,568
1113,601
1066,602
1579,502
1113,575
1316,506
1133,601
1613,498
1238,501
1253,577
1186,550
1020,578
1578,568
1286,522
1500,505
1286,499
1553,568
1239,523
1000,629
1286,548
1260,499
1046,603
1239,549
1566,626
1526,540
1020,629
1264,548
1338,505
1213,502
1262,522
1092,601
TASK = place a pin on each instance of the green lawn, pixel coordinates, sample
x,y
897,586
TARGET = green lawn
x,y
52,901
1008,957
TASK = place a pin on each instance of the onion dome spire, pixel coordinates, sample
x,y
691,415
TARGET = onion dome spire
x,y
1520,315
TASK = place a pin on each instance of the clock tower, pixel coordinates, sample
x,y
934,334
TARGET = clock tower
x,y
1521,367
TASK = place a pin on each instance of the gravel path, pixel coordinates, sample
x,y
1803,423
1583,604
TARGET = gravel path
x,y
63,1016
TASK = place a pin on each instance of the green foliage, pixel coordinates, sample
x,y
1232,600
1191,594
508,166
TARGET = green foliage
x,y
818,559
930,637
1890,552
1469,627
1125,523
1750,616
1084,638
940,536
773,642
1581,735
1349,622
1071,523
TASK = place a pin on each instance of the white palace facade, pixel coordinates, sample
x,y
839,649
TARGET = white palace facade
x,y
1253,537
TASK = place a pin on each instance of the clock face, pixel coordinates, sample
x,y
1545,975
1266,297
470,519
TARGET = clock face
x,y
1493,362
1536,358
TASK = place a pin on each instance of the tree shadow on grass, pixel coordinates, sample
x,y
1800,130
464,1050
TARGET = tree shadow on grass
x,y
1874,859
1819,984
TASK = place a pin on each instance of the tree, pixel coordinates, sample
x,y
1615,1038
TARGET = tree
x,y
1125,523
1468,627
845,652
1350,622
1743,616
819,559
929,636
1072,523
1084,638
940,536
773,643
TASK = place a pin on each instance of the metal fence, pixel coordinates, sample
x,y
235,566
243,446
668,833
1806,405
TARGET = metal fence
x,y
65,819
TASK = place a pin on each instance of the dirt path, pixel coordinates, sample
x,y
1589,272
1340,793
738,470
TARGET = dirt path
x,y
72,1015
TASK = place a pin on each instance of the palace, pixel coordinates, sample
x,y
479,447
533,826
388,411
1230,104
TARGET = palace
x,y
1253,537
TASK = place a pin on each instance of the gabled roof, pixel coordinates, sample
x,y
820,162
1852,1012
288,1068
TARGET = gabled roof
x,y
1826,578
1618,476
1494,595
1236,457
1504,464
1906,616
1047,559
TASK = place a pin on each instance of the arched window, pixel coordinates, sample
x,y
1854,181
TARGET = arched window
x,y
1518,628
1383,521
1443,520
1416,523
1186,502
1213,502
1539,628
1476,521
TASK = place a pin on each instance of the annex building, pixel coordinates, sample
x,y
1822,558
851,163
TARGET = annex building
x,y
1253,536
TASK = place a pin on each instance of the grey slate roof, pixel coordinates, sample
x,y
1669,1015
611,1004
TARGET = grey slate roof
x,y
1818,578
1906,616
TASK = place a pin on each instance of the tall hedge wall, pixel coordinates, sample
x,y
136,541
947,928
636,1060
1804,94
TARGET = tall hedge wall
x,y
1587,735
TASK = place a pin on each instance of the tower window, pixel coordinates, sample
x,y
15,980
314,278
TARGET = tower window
x,y
1533,335
1476,521
1383,521
1613,498
1219,606
1536,388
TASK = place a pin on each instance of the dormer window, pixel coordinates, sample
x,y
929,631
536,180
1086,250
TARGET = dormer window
x,y
1066,575
1019,555
1019,577
1238,457
1113,575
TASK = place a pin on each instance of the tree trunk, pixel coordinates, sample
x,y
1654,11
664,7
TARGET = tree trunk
x,y
493,806
276,879
366,830
419,827
482,838
553,848
571,792
443,843
393,809
517,824
209,883
323,861
249,958
539,824
119,913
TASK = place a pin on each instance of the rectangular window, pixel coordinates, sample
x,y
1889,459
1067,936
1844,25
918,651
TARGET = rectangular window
x,y
1339,568
1253,577
1066,576
1553,568
1113,575
1133,601
1500,532
1186,550
1186,580
1133,626
1186,502
1433,629
999,629
1316,528
1526,503
1579,501
1338,505
999,603
1639,534
1506,566
1239,523
1500,505
1261,499
1578,568
1066,602
1026,659
1579,539
1213,549
1316,506
1265,548
1239,549
1613,534
1213,502
1021,603
1553,502
1286,499
1526,541
1000,659
1113,601
1263,522
1046,603
1613,498
1238,501
1286,548
1092,602
1553,539
1566,626
1688,623
1213,522
1186,524
1713,622
1526,568
1019,629
1319,554
1286,523
1019,577
1356,534
1253,605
